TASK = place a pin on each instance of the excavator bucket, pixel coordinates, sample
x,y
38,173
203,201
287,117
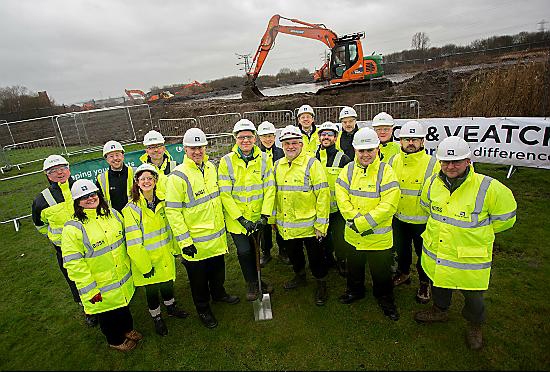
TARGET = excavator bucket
x,y
251,91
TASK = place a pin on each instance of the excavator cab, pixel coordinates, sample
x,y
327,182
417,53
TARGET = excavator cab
x,y
343,56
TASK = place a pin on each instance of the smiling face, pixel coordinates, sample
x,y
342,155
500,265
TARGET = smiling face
x,y
115,159
245,140
267,140
59,173
367,156
292,148
90,201
195,153
384,132
454,168
146,181
327,138
306,121
156,153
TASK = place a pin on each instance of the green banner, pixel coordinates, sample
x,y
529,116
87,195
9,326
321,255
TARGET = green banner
x,y
89,169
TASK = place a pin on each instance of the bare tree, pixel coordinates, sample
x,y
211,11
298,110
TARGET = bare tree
x,y
420,41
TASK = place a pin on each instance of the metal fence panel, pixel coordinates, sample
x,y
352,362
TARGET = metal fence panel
x,y
218,123
322,114
175,128
409,109
279,118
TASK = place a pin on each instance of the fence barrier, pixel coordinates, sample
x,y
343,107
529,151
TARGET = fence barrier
x,y
279,118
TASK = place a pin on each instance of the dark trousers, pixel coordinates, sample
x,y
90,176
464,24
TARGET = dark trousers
x,y
115,324
206,278
380,271
267,242
246,253
315,256
334,241
405,235
474,305
72,285
166,290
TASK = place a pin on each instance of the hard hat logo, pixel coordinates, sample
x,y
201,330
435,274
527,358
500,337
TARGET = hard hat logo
x,y
84,188
450,152
413,130
197,139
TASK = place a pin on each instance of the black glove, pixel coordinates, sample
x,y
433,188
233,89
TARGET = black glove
x,y
149,274
248,225
261,222
352,226
189,251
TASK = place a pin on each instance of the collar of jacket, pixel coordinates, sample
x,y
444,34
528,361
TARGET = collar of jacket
x,y
255,152
331,150
300,159
313,130
414,156
190,163
455,183
142,202
375,162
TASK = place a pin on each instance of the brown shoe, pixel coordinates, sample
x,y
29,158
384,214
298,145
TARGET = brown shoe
x,y
134,335
432,315
401,278
424,293
474,336
127,345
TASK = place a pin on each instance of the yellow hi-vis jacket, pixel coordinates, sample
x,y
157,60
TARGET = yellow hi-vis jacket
x,y
56,214
459,235
389,149
246,190
332,171
194,209
94,254
368,196
167,166
412,170
302,202
149,242
312,142
103,180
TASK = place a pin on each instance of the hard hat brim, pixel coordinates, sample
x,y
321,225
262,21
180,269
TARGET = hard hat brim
x,y
451,158
365,147
195,144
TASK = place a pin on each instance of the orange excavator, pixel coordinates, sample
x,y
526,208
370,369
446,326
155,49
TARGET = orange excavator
x,y
347,63
138,96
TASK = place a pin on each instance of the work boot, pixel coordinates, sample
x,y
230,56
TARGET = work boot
x,y
474,336
208,319
228,299
299,280
160,326
176,312
401,278
389,309
424,293
267,288
127,345
265,260
349,297
134,335
252,292
321,294
433,315
91,320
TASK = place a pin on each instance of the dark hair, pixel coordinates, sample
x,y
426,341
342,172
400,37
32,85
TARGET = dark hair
x,y
102,209
136,191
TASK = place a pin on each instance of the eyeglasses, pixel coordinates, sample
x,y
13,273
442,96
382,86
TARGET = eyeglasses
x,y
143,179
411,139
245,138
383,130
327,133
56,169
154,147
88,196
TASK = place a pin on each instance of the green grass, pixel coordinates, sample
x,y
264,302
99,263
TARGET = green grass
x,y
41,328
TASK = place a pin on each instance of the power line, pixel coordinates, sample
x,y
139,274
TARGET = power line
x,y
541,25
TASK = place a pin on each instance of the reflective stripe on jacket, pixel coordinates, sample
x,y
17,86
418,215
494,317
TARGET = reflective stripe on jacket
x,y
459,235
103,180
149,242
303,197
194,209
55,214
368,196
94,254
311,143
412,170
332,171
246,190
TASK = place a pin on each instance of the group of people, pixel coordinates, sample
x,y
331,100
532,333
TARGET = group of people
x,y
349,197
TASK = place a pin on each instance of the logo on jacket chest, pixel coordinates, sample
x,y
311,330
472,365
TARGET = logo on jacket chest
x,y
200,192
98,243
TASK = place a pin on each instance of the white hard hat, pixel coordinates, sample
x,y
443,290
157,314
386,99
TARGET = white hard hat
x,y
53,160
328,125
305,109
266,128
453,148
242,125
82,187
145,167
347,112
412,129
381,119
153,138
112,146
365,138
194,137
290,132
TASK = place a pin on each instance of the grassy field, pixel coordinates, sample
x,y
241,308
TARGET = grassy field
x,y
42,329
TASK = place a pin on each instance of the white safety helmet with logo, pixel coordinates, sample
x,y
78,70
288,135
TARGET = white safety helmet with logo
x,y
54,160
290,132
242,125
412,129
194,137
365,139
306,109
82,187
146,167
266,128
453,148
328,125
347,112
112,146
382,119
153,138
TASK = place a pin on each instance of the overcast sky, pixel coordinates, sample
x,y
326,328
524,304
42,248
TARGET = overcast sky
x,y
78,50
